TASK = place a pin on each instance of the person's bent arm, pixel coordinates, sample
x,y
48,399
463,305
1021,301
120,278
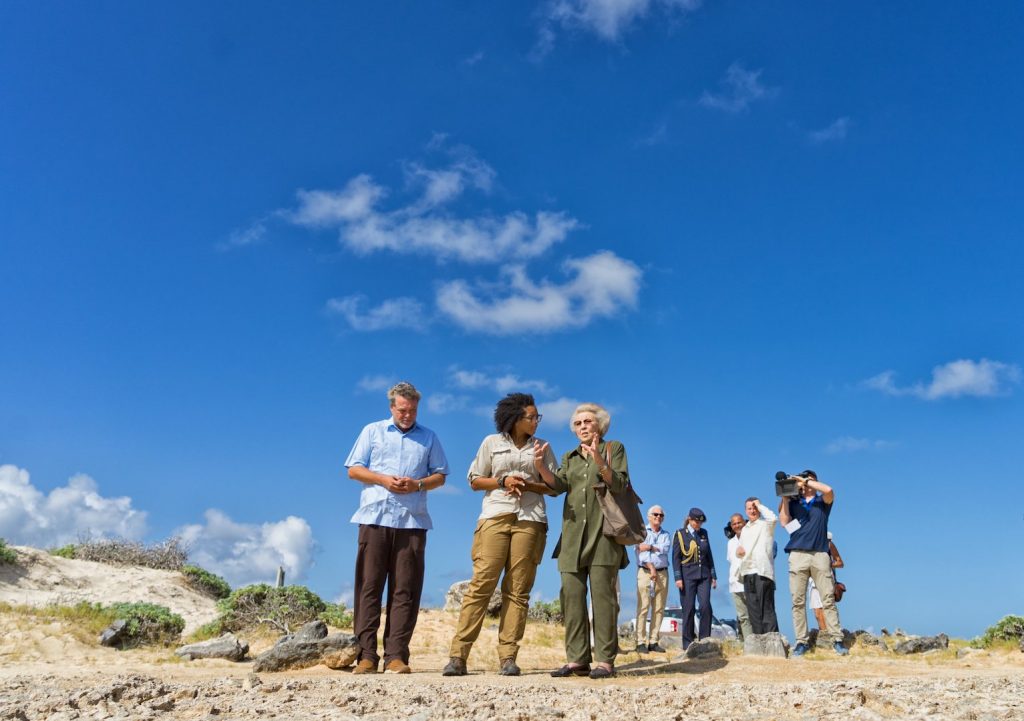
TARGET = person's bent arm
x,y
827,494
784,517
837,560
394,484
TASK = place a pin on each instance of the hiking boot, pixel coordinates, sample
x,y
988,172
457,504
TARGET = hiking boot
x,y
800,649
509,668
456,667
365,666
396,665
840,649
641,648
655,648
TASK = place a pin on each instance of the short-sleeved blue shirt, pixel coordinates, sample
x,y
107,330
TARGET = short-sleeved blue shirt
x,y
384,448
813,517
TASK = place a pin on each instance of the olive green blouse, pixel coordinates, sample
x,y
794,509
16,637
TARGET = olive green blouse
x,y
582,544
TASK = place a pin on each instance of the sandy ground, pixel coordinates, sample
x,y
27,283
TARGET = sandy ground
x,y
40,579
47,673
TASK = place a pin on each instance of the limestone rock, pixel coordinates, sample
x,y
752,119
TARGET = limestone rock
x,y
114,633
766,644
920,644
705,648
337,650
453,598
227,646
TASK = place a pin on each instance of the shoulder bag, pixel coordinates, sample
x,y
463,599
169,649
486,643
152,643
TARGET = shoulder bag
x,y
623,519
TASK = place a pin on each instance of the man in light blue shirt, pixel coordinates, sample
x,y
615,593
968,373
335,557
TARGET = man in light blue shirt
x,y
398,461
652,581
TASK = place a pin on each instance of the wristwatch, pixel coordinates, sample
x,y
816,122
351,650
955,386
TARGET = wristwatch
x,y
501,481
420,484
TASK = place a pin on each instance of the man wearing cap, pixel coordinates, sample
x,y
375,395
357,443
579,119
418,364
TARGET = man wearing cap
x,y
694,569
652,582
805,516
398,461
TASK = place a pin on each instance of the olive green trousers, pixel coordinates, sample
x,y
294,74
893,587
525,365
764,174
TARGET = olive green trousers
x,y
604,599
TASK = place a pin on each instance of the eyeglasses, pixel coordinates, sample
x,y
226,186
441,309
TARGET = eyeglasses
x,y
657,515
585,422
534,419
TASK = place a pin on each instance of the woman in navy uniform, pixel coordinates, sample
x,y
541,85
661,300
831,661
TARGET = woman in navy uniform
x,y
694,569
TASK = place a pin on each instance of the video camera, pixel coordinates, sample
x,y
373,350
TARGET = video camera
x,y
786,485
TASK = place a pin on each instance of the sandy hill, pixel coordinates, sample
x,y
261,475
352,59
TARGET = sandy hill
x,y
39,579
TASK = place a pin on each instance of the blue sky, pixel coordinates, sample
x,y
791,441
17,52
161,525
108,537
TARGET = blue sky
x,y
766,236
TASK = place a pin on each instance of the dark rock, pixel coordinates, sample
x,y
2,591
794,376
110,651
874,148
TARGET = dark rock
x,y
705,648
869,639
114,634
227,646
921,644
766,644
812,638
295,653
453,598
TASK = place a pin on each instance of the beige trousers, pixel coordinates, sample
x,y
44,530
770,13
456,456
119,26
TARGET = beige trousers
x,y
816,565
500,544
644,602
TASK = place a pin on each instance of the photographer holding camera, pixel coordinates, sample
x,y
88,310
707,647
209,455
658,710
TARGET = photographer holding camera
x,y
805,516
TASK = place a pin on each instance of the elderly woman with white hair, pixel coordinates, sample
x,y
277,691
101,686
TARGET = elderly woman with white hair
x,y
584,553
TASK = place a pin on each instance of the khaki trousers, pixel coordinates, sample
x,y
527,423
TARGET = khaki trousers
x,y
739,601
644,584
816,565
516,547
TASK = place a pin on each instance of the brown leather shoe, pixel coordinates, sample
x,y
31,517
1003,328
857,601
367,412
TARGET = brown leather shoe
x,y
396,665
365,666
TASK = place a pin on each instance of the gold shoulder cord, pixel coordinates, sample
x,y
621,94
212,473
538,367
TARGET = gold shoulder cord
x,y
689,554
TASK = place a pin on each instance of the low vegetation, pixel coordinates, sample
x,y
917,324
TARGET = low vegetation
x,y
169,555
147,623
205,582
7,555
337,615
550,612
284,608
1008,630
67,551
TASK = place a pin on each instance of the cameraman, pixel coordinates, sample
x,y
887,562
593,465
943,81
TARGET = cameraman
x,y
809,557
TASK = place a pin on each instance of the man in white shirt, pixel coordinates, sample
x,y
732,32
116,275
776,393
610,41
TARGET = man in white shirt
x,y
735,527
757,569
652,582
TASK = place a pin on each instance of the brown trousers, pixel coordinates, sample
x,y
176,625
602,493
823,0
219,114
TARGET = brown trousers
x,y
395,556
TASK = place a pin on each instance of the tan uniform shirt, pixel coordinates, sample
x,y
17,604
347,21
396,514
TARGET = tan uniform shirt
x,y
498,456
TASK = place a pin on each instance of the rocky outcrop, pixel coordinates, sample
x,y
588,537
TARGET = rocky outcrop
x,y
920,644
766,644
705,648
114,634
453,598
227,646
310,646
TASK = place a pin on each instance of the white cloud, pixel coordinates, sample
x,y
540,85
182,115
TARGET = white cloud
x,y
65,514
245,553
391,313
246,236
608,19
837,130
474,58
502,383
850,444
423,226
374,383
558,412
446,403
981,379
601,285
740,87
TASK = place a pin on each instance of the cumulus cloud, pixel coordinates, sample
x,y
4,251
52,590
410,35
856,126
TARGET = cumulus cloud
x,y
245,553
837,130
608,19
600,285
558,411
391,313
500,382
740,88
375,383
981,379
850,444
246,236
64,515
446,403
423,226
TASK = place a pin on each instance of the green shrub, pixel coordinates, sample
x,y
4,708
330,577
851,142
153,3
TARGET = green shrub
x,y
337,615
550,612
7,555
67,551
284,608
1010,628
148,623
205,582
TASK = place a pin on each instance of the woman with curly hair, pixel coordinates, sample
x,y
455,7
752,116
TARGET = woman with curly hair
x,y
510,532
584,553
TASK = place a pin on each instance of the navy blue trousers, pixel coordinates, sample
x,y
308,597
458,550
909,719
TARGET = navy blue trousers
x,y
692,591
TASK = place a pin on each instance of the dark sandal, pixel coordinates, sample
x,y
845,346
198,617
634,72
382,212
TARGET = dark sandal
x,y
568,670
602,672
